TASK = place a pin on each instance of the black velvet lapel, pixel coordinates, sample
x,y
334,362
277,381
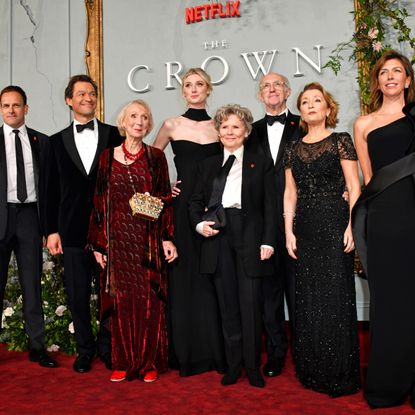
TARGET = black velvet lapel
x,y
70,146
103,134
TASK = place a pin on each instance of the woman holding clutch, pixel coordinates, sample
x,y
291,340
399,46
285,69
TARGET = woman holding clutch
x,y
236,187
129,246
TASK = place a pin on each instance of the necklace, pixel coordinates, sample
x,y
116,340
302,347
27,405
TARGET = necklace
x,y
127,154
129,172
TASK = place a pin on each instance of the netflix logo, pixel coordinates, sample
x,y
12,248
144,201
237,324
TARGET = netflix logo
x,y
212,11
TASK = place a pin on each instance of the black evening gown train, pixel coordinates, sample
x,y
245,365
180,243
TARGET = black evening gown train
x,y
195,333
391,271
326,350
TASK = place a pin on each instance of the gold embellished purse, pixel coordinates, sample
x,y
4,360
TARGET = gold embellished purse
x,y
146,206
143,204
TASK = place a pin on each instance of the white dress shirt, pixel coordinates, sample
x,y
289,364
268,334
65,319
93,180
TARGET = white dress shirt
x,y
10,146
275,132
231,197
86,143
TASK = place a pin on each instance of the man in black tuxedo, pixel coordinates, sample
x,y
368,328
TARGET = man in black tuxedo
x,y
23,154
270,136
74,159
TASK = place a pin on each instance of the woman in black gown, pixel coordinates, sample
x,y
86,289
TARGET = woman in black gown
x,y
318,168
384,228
195,336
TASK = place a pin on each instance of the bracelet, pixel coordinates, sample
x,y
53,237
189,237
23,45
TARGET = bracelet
x,y
288,214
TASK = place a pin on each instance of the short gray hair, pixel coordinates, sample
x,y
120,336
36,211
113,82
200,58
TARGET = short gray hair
x,y
224,112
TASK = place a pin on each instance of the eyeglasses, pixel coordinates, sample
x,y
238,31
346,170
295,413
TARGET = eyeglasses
x,y
276,84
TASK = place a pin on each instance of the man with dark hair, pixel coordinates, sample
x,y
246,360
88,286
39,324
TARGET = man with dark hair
x,y
74,159
23,154
78,78
270,136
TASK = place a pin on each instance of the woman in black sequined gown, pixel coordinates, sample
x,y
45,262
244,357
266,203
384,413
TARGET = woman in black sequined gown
x,y
384,229
318,169
195,334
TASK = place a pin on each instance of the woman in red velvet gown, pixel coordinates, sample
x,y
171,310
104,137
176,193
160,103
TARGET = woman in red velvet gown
x,y
130,248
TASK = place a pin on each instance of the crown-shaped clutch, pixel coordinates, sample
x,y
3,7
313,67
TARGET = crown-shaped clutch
x,y
147,206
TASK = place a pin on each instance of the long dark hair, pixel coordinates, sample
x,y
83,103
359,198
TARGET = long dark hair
x,y
376,96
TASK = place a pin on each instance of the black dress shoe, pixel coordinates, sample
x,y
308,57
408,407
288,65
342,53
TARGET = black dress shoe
x,y
42,358
106,359
273,368
255,378
231,377
83,363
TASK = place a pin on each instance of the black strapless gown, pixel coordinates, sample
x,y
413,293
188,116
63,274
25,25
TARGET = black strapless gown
x,y
391,273
196,341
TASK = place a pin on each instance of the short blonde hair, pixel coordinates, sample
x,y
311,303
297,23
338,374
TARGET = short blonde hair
x,y
224,112
122,113
331,120
203,74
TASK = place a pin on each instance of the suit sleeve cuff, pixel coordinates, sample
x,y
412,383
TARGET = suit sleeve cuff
x,y
268,246
199,227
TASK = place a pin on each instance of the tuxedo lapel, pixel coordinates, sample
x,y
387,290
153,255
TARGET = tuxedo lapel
x,y
103,134
3,168
34,144
289,129
263,137
70,146
248,170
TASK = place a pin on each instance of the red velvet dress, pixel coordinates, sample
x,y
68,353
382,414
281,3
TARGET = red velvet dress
x,y
135,279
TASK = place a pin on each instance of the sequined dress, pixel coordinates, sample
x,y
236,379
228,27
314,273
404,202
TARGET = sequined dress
x,y
326,350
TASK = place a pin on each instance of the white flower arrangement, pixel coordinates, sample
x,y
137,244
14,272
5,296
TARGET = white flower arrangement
x,y
59,327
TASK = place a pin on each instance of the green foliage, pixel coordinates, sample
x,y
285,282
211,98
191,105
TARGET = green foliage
x,y
58,320
380,25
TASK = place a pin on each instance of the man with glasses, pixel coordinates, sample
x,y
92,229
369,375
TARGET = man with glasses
x,y
74,159
270,136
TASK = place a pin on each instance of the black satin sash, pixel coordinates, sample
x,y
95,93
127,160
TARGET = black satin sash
x,y
380,181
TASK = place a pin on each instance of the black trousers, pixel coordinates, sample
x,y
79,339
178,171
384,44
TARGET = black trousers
x,y
239,298
23,237
80,268
273,289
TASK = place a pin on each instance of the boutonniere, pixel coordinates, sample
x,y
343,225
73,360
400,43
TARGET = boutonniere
x,y
252,165
34,138
292,123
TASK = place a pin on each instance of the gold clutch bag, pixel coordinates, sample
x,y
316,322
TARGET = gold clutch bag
x,y
147,206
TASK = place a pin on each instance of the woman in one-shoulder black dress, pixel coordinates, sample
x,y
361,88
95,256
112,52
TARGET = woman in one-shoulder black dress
x,y
384,229
195,334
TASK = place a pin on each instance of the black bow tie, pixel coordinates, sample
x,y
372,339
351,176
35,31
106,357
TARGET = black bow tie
x,y
81,127
276,118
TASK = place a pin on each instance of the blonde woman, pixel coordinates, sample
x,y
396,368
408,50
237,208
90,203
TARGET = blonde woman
x,y
195,338
133,250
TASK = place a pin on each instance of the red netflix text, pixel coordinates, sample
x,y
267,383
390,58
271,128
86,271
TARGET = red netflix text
x,y
212,11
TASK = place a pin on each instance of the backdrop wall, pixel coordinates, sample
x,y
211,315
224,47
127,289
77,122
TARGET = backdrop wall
x,y
42,45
